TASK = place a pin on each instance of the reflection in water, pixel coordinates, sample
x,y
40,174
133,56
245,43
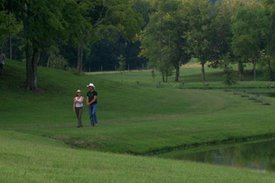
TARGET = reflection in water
x,y
260,156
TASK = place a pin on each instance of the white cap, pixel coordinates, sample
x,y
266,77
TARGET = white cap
x,y
78,91
91,84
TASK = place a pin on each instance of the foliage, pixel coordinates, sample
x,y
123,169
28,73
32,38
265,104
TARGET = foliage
x,y
43,25
91,35
200,33
53,23
57,61
9,26
267,65
144,8
249,27
228,72
162,41
121,63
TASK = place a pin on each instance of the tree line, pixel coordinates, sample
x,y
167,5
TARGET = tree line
x,y
118,34
56,32
219,32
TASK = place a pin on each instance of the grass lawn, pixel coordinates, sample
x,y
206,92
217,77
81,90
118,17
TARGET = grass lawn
x,y
136,115
28,158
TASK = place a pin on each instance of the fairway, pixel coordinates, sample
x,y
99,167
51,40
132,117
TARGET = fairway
x,y
38,130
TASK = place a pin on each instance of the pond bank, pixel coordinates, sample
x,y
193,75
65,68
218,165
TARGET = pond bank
x,y
258,155
233,140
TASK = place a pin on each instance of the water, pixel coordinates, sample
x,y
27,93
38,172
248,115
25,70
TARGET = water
x,y
257,156
270,94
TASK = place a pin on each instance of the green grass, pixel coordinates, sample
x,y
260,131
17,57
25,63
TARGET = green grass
x,y
28,158
136,117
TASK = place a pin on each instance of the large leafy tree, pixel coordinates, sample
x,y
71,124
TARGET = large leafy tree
x,y
162,41
9,27
200,33
250,27
270,50
222,34
144,8
78,28
152,45
104,20
221,29
47,24
43,25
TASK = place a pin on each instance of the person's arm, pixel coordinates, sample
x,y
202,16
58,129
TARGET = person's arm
x,y
94,99
87,101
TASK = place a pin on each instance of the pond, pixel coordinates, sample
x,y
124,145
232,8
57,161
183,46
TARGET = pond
x,y
257,156
270,94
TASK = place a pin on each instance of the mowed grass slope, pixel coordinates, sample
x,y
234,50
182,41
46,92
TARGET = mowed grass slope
x,y
28,158
133,118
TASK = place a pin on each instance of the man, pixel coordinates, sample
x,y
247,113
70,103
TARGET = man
x,y
91,101
2,61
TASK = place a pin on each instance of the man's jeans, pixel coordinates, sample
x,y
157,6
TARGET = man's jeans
x,y
92,112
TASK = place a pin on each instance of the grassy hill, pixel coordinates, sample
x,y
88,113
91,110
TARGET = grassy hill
x,y
136,114
28,158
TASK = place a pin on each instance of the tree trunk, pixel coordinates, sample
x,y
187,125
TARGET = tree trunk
x,y
31,68
270,72
254,71
10,45
79,58
177,72
28,65
203,71
241,70
49,60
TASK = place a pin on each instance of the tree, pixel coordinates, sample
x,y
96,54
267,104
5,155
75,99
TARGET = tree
x,y
144,8
268,56
43,25
249,29
78,28
122,63
199,34
162,42
49,24
110,20
222,34
221,31
3,26
9,27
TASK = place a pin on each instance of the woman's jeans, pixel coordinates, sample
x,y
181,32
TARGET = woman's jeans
x,y
78,112
92,112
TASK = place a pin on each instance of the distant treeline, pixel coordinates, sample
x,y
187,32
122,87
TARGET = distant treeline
x,y
217,33
95,35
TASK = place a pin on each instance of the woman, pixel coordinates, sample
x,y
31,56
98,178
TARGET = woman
x,y
78,107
